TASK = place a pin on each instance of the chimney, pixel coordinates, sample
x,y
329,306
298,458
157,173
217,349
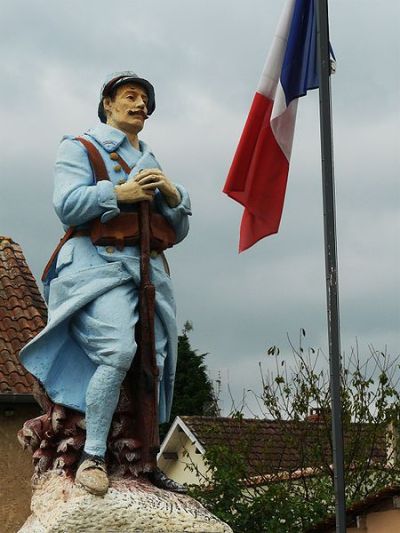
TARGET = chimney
x,y
318,414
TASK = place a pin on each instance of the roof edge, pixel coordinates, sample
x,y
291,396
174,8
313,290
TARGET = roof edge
x,y
191,436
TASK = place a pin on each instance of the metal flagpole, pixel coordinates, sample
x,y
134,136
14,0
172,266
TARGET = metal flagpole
x,y
328,187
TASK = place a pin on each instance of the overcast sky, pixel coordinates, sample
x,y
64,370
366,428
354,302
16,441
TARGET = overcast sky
x,y
204,58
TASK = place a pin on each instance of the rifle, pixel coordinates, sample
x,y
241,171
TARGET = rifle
x,y
144,370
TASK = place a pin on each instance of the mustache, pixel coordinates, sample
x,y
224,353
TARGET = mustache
x,y
131,112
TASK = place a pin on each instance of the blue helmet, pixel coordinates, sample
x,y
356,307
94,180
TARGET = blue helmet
x,y
119,78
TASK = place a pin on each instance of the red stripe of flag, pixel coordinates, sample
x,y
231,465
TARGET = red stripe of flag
x,y
258,175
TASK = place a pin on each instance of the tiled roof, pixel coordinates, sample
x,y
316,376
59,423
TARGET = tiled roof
x,y
23,314
271,446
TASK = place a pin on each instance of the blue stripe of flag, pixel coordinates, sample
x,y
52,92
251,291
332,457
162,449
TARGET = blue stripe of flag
x,y
299,70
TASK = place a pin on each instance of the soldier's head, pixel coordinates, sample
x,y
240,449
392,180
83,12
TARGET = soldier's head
x,y
126,101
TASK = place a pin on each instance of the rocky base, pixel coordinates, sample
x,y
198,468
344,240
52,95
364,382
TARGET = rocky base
x,y
130,506
57,437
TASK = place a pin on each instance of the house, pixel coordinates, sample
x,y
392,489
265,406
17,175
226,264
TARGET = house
x,y
22,315
183,449
377,513
274,449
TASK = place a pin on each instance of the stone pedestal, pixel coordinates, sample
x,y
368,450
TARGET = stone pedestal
x,y
130,506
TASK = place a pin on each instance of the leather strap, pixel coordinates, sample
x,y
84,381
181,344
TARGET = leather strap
x,y
123,164
96,161
68,234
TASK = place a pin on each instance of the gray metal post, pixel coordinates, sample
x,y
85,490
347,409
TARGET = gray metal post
x,y
328,187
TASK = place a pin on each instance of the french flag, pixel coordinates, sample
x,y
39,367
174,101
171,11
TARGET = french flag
x,y
258,175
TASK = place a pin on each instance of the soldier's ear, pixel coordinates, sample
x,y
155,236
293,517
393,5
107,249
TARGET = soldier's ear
x,y
107,105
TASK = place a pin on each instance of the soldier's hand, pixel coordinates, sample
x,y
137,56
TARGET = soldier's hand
x,y
132,192
151,179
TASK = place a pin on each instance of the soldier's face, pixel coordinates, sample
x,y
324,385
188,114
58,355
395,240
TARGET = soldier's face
x,y
127,111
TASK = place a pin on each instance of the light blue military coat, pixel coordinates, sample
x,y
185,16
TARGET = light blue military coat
x,y
83,271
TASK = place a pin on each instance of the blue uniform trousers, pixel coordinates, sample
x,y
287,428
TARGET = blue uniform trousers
x,y
104,329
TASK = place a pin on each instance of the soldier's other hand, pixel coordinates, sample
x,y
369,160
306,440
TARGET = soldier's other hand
x,y
151,179
132,192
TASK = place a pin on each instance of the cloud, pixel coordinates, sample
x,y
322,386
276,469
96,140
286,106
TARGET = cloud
x,y
204,59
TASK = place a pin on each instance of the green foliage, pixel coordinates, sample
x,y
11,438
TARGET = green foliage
x,y
194,392
277,507
370,402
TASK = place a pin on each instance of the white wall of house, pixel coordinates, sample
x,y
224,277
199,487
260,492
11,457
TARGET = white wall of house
x,y
182,460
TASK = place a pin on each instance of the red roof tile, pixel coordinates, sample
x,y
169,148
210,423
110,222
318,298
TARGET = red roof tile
x,y
23,315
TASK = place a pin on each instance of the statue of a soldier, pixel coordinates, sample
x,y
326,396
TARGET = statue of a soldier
x,y
92,282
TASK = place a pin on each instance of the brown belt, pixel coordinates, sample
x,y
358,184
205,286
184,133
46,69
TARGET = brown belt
x,y
118,242
71,232
153,253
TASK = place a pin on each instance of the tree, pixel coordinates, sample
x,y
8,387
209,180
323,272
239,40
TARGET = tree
x,y
194,392
297,500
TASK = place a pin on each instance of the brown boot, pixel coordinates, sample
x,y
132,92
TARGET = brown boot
x,y
92,475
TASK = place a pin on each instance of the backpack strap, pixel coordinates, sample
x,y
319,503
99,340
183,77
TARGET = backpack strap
x,y
96,161
68,234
